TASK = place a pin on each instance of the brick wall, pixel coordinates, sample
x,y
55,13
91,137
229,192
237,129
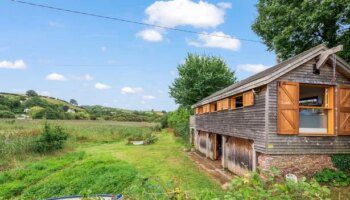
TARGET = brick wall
x,y
300,165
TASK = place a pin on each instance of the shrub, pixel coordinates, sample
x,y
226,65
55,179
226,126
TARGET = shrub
x,y
342,162
270,187
6,114
37,112
51,138
332,177
179,121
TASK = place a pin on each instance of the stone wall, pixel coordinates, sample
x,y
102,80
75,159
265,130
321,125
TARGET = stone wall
x,y
300,165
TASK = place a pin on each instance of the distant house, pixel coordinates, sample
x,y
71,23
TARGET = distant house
x,y
22,116
70,111
292,116
26,110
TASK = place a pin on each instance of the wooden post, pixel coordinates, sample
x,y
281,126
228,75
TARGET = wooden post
x,y
223,146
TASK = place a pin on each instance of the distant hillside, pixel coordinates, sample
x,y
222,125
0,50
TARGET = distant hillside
x,y
45,107
107,113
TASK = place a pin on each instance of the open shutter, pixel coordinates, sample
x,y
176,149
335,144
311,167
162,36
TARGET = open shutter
x,y
288,108
248,98
344,110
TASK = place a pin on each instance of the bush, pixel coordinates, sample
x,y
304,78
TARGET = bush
x,y
51,138
342,162
270,187
179,121
332,177
6,114
37,112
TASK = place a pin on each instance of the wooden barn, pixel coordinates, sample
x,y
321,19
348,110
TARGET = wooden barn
x,y
292,116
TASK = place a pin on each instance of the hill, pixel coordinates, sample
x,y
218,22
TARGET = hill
x,y
45,107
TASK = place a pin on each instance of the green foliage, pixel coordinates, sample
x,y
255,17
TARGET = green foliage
x,y
106,113
270,188
51,138
31,93
6,114
37,112
291,27
333,177
179,121
199,77
341,161
73,102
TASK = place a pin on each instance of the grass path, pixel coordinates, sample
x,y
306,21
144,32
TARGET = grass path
x,y
165,160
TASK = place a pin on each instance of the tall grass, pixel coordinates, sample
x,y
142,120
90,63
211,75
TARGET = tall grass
x,y
17,137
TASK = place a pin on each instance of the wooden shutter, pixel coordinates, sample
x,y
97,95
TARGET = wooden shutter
x,y
344,110
197,111
219,105
225,103
248,99
233,103
288,108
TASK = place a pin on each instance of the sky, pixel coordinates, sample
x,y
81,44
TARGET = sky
x,y
106,62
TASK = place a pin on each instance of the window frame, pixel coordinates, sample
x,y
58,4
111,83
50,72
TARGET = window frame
x,y
328,106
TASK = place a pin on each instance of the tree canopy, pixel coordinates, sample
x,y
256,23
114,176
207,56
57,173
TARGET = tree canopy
x,y
291,27
31,93
199,77
73,102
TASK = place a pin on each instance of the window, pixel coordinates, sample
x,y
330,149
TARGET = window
x,y
305,109
315,109
239,102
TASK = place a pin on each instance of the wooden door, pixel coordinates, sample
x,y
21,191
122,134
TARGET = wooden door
x,y
344,110
288,108
214,145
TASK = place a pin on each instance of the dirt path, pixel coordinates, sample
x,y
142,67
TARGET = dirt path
x,y
212,168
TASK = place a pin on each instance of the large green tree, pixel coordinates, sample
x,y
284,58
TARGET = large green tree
x,y
199,77
289,27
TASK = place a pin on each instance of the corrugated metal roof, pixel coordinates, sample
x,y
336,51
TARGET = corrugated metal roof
x,y
264,73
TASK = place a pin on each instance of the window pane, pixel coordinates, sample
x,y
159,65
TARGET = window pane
x,y
311,96
239,102
313,121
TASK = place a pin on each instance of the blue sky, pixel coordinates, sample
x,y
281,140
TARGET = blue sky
x,y
105,62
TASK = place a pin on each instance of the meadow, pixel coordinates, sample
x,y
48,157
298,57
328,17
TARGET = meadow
x,y
97,159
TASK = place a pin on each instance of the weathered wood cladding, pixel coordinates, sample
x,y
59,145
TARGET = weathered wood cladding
x,y
248,122
239,155
202,142
297,144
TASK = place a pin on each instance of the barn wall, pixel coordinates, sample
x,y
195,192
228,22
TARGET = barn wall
x,y
294,144
201,142
247,123
238,155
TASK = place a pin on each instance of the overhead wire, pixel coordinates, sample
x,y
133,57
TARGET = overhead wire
x,y
130,21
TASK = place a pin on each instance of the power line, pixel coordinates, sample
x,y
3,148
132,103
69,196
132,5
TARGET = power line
x,y
129,21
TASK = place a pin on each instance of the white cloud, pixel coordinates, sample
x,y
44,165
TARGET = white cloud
x,y
225,5
223,41
103,49
101,86
17,64
148,97
131,90
86,77
252,68
185,12
150,35
56,77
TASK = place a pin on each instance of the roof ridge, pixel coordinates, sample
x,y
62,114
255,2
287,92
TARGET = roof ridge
x,y
258,75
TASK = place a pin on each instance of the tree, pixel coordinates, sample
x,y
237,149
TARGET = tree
x,y
199,77
73,102
291,27
31,93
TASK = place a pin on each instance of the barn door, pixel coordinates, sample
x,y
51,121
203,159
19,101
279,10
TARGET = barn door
x,y
213,143
344,110
288,108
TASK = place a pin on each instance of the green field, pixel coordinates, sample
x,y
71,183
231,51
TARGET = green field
x,y
96,159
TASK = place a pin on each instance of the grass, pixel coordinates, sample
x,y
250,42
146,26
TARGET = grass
x,y
98,160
